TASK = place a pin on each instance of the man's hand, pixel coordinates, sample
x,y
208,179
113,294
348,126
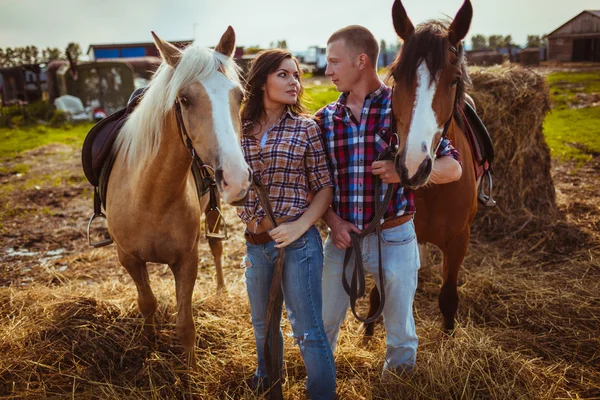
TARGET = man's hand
x,y
340,233
386,171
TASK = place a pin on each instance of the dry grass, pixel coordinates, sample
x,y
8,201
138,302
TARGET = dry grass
x,y
527,328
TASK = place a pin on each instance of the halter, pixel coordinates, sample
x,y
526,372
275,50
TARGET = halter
x,y
204,176
454,51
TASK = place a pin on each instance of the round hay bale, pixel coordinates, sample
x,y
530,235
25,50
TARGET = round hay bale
x,y
512,102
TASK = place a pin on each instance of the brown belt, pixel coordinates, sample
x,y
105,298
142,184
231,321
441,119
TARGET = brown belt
x,y
396,221
257,238
264,237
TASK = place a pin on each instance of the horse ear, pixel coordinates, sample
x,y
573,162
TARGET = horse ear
x,y
169,53
402,24
227,43
461,23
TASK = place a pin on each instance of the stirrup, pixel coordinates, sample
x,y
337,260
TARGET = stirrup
x,y
213,232
100,243
486,198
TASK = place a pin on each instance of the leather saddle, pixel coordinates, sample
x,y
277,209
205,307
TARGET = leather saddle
x,y
482,148
98,144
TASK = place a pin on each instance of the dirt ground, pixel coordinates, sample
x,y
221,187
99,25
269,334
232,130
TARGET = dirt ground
x,y
527,326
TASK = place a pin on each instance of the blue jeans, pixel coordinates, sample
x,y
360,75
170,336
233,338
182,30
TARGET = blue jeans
x,y
301,285
400,258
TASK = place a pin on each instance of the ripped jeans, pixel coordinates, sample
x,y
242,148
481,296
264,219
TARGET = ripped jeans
x,y
301,285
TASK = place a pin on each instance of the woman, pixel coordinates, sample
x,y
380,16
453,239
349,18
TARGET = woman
x,y
284,149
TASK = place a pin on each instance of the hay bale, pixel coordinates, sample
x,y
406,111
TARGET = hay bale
x,y
513,102
529,56
486,58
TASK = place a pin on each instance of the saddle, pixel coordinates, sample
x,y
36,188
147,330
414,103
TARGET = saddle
x,y
482,148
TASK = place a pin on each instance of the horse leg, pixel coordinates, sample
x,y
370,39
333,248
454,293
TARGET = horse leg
x,y
216,245
185,272
146,299
368,330
454,254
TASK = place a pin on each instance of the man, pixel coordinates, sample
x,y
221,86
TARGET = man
x,y
356,128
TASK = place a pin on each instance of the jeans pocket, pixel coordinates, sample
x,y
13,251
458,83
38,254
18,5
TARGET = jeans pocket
x,y
399,235
298,243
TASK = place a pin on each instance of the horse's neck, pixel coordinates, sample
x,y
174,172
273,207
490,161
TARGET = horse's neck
x,y
168,171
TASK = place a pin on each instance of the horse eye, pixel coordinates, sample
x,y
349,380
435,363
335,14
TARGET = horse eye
x,y
184,101
455,82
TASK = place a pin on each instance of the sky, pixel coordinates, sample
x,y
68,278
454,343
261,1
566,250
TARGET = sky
x,y
302,23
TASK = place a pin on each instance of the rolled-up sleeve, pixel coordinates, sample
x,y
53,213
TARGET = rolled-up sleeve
x,y
446,149
315,160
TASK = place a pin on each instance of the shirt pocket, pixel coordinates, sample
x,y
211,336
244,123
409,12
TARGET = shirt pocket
x,y
287,153
382,140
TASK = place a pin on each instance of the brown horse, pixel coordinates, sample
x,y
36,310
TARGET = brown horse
x,y
427,100
153,212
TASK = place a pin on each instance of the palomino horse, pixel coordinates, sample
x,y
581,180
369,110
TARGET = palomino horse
x,y
427,100
153,212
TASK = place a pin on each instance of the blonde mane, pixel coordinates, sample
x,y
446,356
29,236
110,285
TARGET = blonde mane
x,y
140,137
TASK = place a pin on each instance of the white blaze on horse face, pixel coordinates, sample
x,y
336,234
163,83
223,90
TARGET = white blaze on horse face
x,y
231,160
423,126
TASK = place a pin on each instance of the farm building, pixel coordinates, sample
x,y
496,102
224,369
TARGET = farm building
x,y
127,50
576,40
136,50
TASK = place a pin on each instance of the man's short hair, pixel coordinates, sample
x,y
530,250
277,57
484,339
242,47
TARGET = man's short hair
x,y
358,39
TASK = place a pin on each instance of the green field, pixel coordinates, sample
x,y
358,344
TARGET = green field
x,y
316,97
16,140
573,133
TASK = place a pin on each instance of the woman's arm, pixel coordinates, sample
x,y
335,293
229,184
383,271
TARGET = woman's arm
x,y
288,232
445,170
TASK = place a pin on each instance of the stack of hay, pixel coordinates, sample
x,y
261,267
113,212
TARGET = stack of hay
x,y
512,102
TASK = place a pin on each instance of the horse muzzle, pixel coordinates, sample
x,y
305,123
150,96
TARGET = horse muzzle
x,y
233,192
420,178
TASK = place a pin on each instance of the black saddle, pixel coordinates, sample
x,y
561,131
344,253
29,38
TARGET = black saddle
x,y
481,134
99,141
482,148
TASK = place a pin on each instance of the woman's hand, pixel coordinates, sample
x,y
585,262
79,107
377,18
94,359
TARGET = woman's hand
x,y
287,233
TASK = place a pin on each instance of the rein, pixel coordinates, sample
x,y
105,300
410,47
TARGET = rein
x,y
203,177
357,286
274,304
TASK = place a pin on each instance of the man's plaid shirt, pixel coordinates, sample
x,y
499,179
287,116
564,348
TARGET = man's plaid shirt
x,y
292,164
352,146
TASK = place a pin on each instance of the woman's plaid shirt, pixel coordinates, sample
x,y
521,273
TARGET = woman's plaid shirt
x,y
352,147
292,164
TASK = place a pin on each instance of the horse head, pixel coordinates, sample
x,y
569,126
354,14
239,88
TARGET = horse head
x,y
210,101
429,75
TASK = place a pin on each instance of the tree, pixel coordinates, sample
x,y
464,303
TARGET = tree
x,y
479,42
73,51
383,51
282,44
495,42
534,41
508,43
51,53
